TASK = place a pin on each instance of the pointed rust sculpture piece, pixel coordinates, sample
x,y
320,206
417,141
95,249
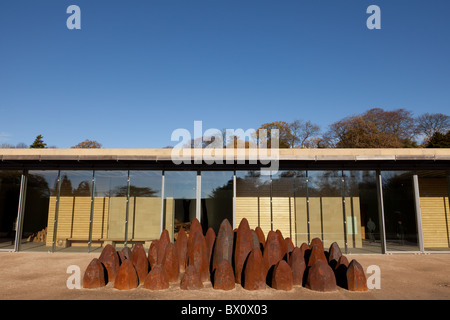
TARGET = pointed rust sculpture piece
x,y
210,238
223,249
261,237
321,277
317,242
317,253
110,259
191,279
127,277
153,253
170,262
164,240
254,276
242,249
273,250
140,261
356,279
94,276
157,279
198,255
181,245
334,253
282,277
298,266
125,253
224,276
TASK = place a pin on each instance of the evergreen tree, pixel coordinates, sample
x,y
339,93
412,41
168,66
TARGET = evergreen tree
x,y
38,143
439,140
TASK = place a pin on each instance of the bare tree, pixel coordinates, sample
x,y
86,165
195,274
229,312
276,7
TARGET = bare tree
x,y
430,123
304,134
88,144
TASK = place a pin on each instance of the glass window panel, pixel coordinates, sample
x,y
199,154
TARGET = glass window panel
x,y
326,219
289,205
434,208
39,215
361,211
216,198
74,209
399,211
144,218
9,201
180,194
253,199
110,208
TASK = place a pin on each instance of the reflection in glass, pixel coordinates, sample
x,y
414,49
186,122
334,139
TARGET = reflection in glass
x,y
289,205
253,199
74,208
39,201
144,217
9,201
110,208
361,211
326,220
180,189
216,198
434,193
399,211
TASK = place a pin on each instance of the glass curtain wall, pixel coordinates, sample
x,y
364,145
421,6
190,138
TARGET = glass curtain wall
x,y
73,211
9,201
289,205
144,217
180,194
361,212
325,191
216,198
39,201
253,199
109,218
434,193
399,211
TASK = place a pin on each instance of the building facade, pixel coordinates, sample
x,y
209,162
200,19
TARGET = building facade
x,y
366,200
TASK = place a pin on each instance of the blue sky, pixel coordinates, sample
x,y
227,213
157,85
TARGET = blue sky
x,y
137,70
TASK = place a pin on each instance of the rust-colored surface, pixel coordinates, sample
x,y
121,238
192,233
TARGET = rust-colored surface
x,y
356,279
164,240
317,242
317,253
261,236
198,255
170,262
210,238
321,277
273,250
282,276
298,266
153,253
334,253
125,253
254,273
181,245
242,249
140,261
157,279
191,279
94,276
223,249
110,259
224,276
127,277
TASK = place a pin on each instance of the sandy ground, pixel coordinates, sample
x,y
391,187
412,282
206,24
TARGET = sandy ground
x,y
44,276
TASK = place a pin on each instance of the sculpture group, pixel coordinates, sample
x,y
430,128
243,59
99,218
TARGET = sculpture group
x,y
242,256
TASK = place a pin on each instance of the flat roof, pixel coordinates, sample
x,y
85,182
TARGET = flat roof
x,y
438,154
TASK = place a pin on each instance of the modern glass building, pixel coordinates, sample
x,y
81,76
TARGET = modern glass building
x,y
366,200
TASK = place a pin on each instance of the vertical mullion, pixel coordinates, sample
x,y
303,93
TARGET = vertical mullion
x,y
418,212
344,213
20,209
234,200
162,202
55,221
307,209
127,210
91,215
381,211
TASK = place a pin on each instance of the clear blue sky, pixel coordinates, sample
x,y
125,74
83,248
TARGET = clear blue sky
x,y
137,70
